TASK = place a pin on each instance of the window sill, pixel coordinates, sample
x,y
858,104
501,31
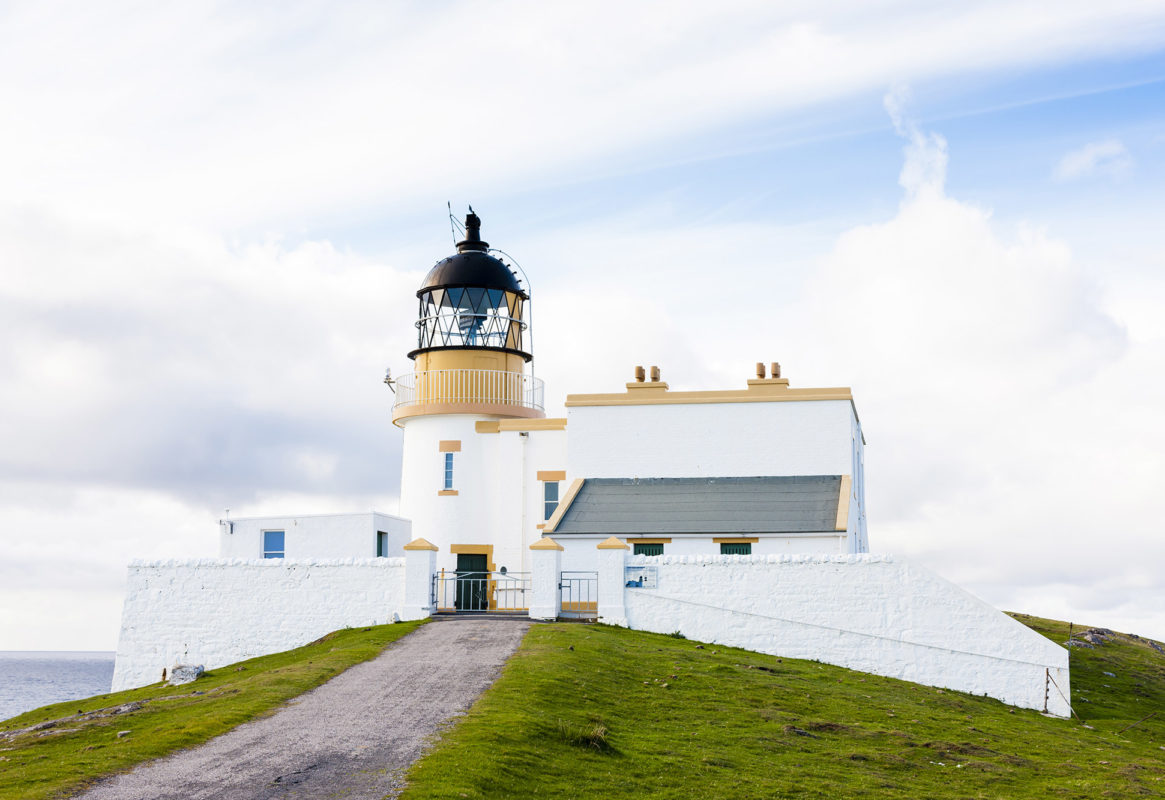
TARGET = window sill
x,y
447,493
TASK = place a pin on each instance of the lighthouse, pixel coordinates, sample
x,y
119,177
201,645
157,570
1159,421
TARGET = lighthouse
x,y
471,491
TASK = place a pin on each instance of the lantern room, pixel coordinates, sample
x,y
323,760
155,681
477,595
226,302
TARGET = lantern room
x,y
471,300
472,338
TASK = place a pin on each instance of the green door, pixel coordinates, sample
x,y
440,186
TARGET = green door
x,y
472,582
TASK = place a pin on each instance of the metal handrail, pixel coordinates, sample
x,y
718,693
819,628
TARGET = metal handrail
x,y
487,386
578,594
480,591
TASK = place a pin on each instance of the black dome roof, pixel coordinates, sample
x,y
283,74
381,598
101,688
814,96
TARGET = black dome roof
x,y
472,266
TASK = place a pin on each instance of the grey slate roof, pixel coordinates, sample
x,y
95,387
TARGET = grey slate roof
x,y
788,504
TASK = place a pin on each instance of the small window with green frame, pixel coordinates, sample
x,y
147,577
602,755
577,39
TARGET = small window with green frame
x,y
736,548
648,549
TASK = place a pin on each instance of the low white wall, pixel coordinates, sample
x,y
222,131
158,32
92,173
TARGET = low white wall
x,y
871,613
219,611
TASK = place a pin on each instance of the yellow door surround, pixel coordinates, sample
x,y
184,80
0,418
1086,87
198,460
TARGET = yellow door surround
x,y
486,550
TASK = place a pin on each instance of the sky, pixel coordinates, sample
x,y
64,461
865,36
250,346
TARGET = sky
x,y
214,218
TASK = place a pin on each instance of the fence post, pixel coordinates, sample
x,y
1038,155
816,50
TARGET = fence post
x,y
612,557
420,564
546,567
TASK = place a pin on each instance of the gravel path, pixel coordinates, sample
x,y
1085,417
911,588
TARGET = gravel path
x,y
351,737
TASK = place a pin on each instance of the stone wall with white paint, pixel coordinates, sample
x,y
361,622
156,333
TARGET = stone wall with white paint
x,y
219,611
871,613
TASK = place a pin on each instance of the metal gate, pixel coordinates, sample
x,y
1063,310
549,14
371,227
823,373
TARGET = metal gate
x,y
579,594
480,591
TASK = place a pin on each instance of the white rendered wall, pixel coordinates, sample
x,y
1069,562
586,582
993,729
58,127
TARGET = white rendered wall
x,y
218,611
499,497
711,439
871,613
315,535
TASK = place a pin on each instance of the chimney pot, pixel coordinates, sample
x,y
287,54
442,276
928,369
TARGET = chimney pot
x,y
639,374
760,370
776,370
655,374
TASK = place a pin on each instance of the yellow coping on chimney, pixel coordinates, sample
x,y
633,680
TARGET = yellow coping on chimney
x,y
612,543
546,543
842,523
563,504
420,544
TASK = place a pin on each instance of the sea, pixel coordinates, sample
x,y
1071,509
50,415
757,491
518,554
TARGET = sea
x,y
30,680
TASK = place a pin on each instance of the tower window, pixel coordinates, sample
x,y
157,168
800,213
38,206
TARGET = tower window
x,y
381,544
549,498
273,544
448,470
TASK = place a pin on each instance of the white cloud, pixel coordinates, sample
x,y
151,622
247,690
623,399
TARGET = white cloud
x,y
924,166
1109,157
241,118
1009,414
179,363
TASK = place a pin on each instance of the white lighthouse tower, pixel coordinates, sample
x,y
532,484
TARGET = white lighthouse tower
x,y
468,491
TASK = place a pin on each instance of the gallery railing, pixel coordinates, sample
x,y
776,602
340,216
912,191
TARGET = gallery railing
x,y
469,386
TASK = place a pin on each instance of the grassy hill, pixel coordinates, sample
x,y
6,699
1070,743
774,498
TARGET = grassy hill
x,y
591,711
56,750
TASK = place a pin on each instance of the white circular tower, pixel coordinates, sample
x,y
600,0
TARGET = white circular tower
x,y
470,366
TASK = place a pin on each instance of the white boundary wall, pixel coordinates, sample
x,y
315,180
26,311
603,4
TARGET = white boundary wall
x,y
871,613
218,611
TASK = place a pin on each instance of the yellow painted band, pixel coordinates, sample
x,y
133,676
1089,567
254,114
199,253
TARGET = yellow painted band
x,y
500,425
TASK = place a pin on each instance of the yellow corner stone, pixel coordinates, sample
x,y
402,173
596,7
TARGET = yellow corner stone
x,y
546,543
420,544
612,543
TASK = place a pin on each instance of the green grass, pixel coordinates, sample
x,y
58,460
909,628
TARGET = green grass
x,y
60,760
586,711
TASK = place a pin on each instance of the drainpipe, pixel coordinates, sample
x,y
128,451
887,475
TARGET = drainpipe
x,y
525,437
